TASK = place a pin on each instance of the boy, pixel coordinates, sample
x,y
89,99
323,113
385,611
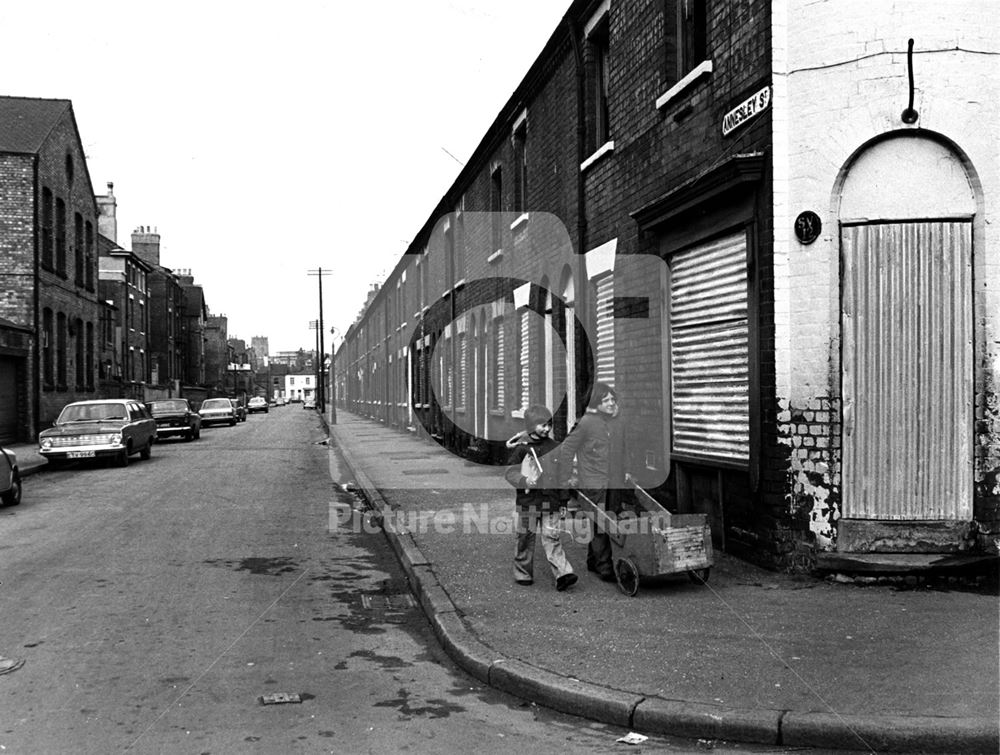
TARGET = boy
x,y
595,446
532,470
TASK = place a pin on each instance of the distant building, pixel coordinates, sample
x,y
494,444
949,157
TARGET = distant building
x,y
124,286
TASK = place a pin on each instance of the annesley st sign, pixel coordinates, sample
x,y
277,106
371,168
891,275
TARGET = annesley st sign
x,y
751,107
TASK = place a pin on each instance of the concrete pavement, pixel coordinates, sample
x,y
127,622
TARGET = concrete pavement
x,y
751,656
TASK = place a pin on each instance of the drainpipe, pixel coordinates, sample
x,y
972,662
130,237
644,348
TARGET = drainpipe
x,y
582,305
35,386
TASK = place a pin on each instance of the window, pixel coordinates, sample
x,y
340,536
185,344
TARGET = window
x,y
48,228
686,37
597,68
89,359
78,250
449,256
709,353
521,167
48,348
88,256
459,242
61,352
497,373
496,206
61,237
79,341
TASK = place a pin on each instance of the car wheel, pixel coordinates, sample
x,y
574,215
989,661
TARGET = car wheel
x,y
13,496
232,423
122,459
145,453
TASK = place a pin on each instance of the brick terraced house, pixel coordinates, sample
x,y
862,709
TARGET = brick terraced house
x,y
50,313
772,225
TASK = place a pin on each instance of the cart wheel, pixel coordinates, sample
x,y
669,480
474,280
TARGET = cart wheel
x,y
700,576
628,577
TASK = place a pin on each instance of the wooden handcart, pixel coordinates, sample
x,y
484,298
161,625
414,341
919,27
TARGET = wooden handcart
x,y
653,542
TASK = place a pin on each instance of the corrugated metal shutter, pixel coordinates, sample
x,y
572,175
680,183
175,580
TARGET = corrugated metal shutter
x,y
709,351
525,355
463,370
499,373
605,321
907,364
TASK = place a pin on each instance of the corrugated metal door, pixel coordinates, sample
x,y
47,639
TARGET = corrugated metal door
x,y
709,351
907,370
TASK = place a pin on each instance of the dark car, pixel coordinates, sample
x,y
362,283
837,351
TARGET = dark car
x,y
174,416
115,428
217,410
10,478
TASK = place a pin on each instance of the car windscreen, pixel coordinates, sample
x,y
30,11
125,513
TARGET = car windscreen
x,y
159,408
216,403
91,412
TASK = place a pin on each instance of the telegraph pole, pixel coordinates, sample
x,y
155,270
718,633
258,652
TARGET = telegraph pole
x,y
319,273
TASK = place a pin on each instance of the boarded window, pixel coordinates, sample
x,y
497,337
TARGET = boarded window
x,y
605,320
497,371
709,351
525,340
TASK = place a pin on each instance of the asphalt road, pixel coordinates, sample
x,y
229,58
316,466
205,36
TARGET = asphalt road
x,y
153,606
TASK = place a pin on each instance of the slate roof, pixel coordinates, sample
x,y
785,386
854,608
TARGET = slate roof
x,y
25,122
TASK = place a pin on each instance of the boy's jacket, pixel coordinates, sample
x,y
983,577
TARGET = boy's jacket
x,y
545,495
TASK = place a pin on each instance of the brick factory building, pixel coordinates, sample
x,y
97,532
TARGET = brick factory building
x,y
773,227
50,314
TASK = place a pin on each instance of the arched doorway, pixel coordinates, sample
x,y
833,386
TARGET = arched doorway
x,y
906,211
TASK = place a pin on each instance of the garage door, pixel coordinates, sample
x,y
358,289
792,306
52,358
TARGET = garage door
x,y
8,400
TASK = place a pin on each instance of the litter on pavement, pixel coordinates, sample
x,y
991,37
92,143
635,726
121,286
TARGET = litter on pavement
x,y
9,664
632,738
278,698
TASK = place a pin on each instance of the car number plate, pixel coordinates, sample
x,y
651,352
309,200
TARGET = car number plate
x,y
79,454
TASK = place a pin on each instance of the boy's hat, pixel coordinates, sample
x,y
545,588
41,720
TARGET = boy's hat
x,y
536,414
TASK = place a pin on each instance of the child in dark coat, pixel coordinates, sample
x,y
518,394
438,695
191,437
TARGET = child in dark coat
x,y
533,469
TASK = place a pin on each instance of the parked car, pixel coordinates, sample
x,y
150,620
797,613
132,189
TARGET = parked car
x,y
257,404
105,428
10,478
241,411
174,416
309,404
215,411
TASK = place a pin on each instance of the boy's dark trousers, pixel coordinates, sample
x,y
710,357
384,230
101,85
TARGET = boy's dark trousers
x,y
599,547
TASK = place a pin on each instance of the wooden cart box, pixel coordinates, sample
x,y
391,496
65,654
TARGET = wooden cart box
x,y
654,542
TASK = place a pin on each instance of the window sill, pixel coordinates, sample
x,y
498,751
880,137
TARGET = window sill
x,y
702,69
603,150
517,414
495,257
521,220
496,412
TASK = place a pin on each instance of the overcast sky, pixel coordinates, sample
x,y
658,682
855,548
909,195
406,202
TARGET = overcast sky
x,y
262,143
